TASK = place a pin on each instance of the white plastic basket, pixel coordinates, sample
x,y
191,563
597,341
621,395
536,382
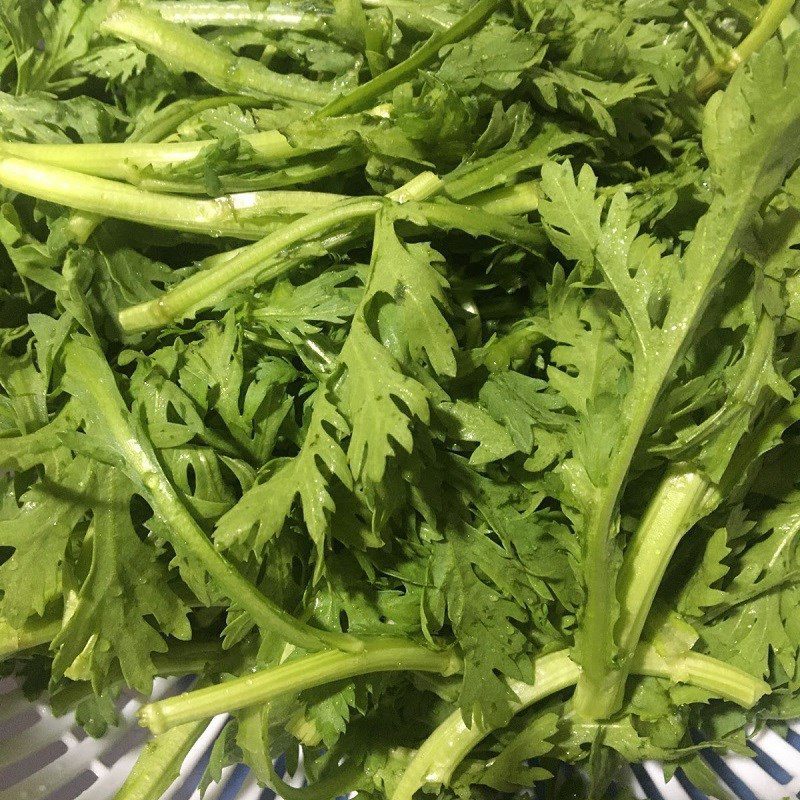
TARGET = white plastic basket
x,y
47,758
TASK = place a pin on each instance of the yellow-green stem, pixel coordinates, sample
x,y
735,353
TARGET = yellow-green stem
x,y
183,50
436,760
243,215
362,96
768,22
202,289
381,655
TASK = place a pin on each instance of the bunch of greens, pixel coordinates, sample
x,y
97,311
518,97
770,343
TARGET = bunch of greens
x,y
421,377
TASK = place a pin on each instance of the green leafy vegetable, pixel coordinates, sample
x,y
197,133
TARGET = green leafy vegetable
x,y
421,377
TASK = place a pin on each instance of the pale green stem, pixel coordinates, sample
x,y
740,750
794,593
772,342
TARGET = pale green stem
x,y
713,47
441,753
522,198
274,16
447,215
82,225
163,123
767,24
381,655
314,167
245,215
183,50
684,496
362,96
597,689
789,26
212,13
159,763
126,160
707,259
166,121
160,760
203,288
681,499
721,679
182,658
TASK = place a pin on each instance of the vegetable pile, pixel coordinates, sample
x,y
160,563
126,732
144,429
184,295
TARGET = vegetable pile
x,y
421,377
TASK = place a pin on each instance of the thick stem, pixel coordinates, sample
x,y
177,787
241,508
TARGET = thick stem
x,y
159,763
126,160
362,96
274,16
521,198
713,47
246,215
183,50
212,13
478,220
382,655
303,170
90,379
680,500
712,250
166,121
724,681
684,496
82,225
441,753
182,658
203,288
597,690
767,24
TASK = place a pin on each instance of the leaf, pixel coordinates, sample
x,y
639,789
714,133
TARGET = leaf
x,y
108,619
117,62
328,709
698,593
468,422
225,752
266,506
38,117
47,38
523,406
39,531
484,621
511,768
755,621
379,402
214,374
604,103
298,312
752,103
604,238
495,59
406,295
375,395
